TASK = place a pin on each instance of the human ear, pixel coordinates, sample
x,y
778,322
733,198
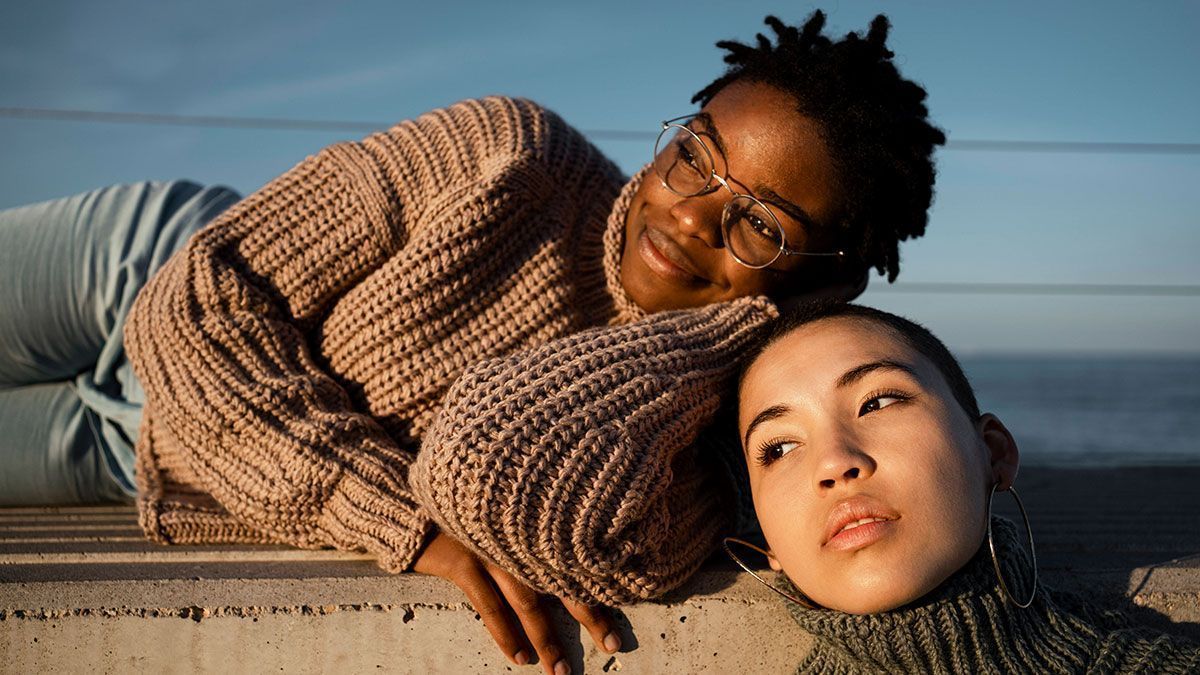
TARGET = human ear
x,y
1003,456
773,561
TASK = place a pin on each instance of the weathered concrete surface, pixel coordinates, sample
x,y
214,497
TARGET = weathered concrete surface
x,y
81,591
415,625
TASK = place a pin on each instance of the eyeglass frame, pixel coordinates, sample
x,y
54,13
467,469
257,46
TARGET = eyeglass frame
x,y
709,188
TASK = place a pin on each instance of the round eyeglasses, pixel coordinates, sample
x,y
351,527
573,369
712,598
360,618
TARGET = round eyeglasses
x,y
751,231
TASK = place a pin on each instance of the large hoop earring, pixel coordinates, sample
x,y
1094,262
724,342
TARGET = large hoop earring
x,y
996,561
802,599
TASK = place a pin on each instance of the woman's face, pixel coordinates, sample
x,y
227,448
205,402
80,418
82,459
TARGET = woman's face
x,y
674,256
869,480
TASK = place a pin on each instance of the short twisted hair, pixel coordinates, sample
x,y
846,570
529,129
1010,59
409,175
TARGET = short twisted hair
x,y
873,121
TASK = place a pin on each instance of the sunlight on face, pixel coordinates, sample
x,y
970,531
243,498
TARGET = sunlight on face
x,y
869,480
674,255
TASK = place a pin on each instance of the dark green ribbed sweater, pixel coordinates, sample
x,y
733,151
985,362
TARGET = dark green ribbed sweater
x,y
965,626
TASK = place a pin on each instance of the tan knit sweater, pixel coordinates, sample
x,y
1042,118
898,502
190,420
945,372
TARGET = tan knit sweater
x,y
577,465
297,351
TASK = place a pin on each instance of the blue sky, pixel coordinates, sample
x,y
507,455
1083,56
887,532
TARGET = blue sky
x,y
1067,71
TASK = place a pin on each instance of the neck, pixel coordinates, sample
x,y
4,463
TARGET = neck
x,y
966,625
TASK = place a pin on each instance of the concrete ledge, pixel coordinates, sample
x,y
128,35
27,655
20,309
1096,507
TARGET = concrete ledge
x,y
81,590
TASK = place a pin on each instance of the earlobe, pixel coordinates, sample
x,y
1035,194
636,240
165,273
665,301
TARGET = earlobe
x,y
1003,456
773,561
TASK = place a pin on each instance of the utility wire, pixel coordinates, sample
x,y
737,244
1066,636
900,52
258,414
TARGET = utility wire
x,y
973,288
189,120
937,287
275,123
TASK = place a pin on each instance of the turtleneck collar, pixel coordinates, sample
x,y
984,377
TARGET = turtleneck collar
x,y
597,263
963,626
614,246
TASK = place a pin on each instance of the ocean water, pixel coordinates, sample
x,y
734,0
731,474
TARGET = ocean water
x,y
1094,411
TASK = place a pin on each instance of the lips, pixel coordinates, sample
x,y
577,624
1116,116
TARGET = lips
x,y
667,258
857,522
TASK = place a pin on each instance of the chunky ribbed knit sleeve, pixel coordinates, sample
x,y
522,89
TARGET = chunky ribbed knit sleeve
x,y
219,337
574,465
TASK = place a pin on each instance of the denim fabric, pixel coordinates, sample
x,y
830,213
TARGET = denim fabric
x,y
70,405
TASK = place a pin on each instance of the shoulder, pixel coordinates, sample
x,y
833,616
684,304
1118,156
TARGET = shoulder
x,y
523,122
516,127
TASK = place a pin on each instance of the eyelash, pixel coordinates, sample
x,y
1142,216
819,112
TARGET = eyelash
x,y
900,397
763,454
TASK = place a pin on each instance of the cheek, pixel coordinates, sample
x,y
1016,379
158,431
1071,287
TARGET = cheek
x,y
744,281
786,516
777,505
651,199
950,504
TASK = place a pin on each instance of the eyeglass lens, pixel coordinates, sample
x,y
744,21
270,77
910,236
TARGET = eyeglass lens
x,y
683,161
751,232
685,165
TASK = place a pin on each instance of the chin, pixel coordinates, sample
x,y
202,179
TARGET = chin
x,y
872,603
870,594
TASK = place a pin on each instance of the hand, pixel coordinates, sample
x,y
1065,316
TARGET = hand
x,y
498,596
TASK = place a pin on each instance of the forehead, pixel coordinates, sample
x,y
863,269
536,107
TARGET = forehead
x,y
768,141
809,360
759,118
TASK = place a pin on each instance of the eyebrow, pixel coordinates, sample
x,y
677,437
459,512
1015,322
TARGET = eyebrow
x,y
762,192
768,195
711,130
859,372
848,378
774,412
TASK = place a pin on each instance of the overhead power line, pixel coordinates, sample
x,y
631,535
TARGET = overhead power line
x,y
1098,147
189,120
969,288
284,124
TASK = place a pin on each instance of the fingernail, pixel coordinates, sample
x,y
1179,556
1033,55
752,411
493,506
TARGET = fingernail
x,y
562,668
521,658
612,643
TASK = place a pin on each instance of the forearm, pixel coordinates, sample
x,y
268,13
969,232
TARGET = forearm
x,y
573,465
217,340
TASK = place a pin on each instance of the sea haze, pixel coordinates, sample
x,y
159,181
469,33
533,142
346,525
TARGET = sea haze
x,y
1094,411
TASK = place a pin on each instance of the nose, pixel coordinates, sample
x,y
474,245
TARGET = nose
x,y
841,462
700,217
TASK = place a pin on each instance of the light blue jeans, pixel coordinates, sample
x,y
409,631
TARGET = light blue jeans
x,y
70,405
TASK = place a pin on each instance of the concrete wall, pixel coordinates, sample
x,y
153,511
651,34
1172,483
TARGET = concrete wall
x,y
80,591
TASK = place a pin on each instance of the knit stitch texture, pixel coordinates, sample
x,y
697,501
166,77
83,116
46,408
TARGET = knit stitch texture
x,y
296,352
966,626
576,465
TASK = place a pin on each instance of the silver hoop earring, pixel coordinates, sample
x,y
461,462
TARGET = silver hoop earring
x,y
996,561
802,599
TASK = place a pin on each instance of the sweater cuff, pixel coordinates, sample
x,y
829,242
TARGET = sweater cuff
x,y
358,516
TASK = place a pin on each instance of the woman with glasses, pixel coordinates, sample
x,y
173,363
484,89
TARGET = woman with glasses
x,y
314,366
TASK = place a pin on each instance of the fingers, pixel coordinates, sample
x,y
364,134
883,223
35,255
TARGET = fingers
x,y
511,611
493,611
526,604
595,620
446,558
